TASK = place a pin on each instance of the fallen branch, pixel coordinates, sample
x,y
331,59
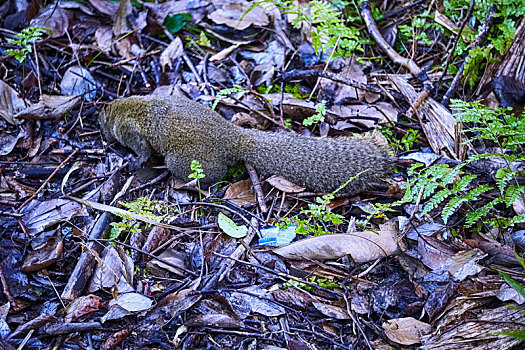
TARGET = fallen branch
x,y
482,35
317,73
371,25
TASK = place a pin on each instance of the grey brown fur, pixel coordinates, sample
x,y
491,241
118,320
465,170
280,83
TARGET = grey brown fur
x,y
183,130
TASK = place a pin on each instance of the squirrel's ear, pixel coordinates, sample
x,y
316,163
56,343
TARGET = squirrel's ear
x,y
105,112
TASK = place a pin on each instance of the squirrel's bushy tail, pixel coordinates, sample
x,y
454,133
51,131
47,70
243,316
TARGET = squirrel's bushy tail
x,y
319,164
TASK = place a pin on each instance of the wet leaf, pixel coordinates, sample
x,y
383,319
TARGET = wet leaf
x,y
214,320
82,306
361,246
44,256
176,22
78,81
10,103
284,185
231,228
406,331
240,192
51,212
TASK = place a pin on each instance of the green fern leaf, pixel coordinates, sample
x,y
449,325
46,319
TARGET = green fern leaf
x,y
512,193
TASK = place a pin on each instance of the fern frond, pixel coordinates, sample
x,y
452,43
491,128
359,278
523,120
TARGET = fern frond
x,y
512,193
474,216
518,219
455,202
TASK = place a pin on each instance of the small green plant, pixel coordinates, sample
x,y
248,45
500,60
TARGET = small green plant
x,y
203,40
143,206
26,38
321,282
293,89
197,174
417,30
500,36
176,22
317,215
227,92
235,172
320,113
407,141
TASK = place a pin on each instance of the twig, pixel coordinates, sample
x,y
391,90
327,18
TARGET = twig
x,y
325,67
458,37
371,25
399,10
354,319
38,77
301,74
47,181
257,187
7,293
282,275
219,275
482,34
268,106
152,256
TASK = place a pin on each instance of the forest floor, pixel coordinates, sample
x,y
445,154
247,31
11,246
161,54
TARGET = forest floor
x,y
97,253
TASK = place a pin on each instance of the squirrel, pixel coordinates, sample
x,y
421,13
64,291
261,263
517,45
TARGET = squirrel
x,y
183,130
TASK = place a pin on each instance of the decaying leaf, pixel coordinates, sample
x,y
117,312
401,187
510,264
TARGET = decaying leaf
x,y
82,306
115,265
234,14
406,331
43,256
50,107
240,192
10,103
332,311
171,53
361,246
126,304
284,185
51,212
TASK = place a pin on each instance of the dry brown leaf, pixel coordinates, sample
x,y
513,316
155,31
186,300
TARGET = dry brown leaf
x,y
44,256
104,6
54,18
406,331
367,116
284,185
174,50
240,192
10,103
104,38
361,246
332,311
235,15
50,107
121,28
158,12
115,264
219,56
350,69
82,306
